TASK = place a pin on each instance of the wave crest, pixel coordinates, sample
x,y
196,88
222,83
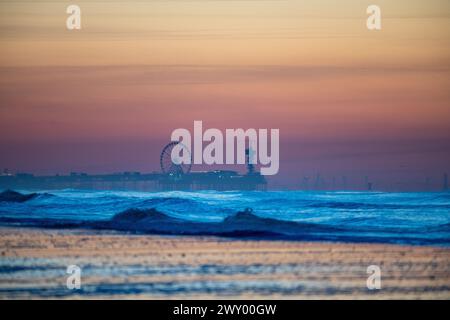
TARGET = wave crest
x,y
14,196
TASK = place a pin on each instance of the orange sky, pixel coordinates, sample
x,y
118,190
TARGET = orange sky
x,y
137,70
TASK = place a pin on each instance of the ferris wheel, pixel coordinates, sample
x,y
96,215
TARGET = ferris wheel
x,y
174,166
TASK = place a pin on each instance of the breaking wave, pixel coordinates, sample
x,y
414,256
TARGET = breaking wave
x,y
422,219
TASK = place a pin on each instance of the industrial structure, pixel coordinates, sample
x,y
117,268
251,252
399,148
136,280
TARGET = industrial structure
x,y
173,176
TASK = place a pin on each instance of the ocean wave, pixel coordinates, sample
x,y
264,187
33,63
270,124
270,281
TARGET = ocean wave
x,y
241,223
321,203
358,217
358,205
152,221
13,196
445,227
168,201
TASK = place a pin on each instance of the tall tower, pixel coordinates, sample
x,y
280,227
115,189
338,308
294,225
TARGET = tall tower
x,y
368,183
249,154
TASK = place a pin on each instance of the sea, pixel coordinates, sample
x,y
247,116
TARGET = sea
x,y
335,216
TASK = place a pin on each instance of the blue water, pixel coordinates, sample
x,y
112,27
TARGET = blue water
x,y
402,218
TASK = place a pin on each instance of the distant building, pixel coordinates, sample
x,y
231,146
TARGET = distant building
x,y
175,179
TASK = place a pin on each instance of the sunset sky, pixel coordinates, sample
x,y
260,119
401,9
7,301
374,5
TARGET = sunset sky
x,y
347,101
